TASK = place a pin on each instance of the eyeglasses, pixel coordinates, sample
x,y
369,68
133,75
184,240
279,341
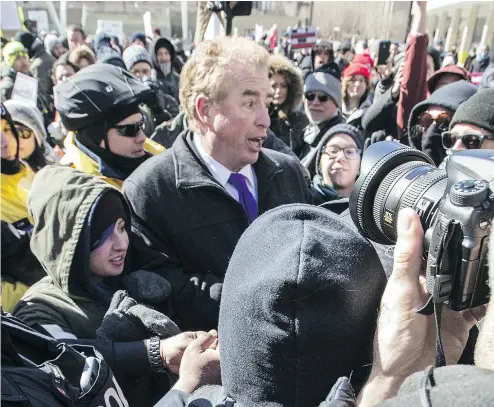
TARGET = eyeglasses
x,y
311,96
442,120
352,153
471,141
23,131
131,130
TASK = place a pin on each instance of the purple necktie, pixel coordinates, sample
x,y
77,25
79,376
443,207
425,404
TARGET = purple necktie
x,y
245,198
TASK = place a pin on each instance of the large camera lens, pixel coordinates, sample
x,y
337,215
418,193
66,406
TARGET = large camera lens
x,y
393,177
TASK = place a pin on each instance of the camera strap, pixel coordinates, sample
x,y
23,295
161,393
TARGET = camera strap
x,y
440,270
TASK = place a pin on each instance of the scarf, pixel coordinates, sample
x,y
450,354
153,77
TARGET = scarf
x,y
328,192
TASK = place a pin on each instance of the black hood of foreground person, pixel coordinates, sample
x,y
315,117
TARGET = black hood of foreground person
x,y
298,310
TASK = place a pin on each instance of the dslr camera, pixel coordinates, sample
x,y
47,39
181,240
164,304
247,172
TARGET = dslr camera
x,y
455,206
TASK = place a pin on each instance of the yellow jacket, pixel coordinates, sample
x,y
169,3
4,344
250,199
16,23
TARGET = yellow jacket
x,y
14,194
11,294
77,159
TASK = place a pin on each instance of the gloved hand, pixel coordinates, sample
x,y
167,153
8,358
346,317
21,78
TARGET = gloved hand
x,y
145,286
341,395
126,321
374,138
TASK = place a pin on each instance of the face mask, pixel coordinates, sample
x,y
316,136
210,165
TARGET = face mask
x,y
166,67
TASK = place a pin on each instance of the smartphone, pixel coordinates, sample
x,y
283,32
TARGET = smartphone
x,y
383,55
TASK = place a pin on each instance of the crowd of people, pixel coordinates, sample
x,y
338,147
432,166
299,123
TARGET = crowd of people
x,y
185,216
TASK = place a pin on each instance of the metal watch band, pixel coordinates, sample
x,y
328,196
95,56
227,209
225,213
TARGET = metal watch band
x,y
155,356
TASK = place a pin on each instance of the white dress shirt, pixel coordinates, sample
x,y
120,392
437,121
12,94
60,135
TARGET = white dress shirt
x,y
222,174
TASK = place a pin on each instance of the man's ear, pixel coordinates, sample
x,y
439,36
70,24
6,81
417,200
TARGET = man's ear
x,y
203,110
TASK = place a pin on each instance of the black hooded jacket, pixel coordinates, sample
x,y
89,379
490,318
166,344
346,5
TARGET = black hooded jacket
x,y
449,97
299,313
170,82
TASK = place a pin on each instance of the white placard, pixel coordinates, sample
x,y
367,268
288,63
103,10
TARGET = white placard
x,y
9,16
25,89
41,18
148,27
110,27
258,33
214,29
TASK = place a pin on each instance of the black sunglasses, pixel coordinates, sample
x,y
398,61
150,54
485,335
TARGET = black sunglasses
x,y
131,130
470,141
311,96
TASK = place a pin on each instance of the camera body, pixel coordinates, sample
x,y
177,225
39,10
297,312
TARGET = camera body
x,y
455,206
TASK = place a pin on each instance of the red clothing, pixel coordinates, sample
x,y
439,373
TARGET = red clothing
x,y
414,85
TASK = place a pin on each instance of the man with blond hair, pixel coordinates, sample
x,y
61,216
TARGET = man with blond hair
x,y
191,204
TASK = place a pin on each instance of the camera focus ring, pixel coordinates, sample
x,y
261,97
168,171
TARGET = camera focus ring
x,y
382,192
370,177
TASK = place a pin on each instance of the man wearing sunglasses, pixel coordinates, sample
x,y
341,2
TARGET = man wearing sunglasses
x,y
433,116
322,99
100,105
472,126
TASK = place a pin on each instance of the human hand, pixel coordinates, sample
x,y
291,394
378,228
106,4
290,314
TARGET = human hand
x,y
405,340
172,349
200,363
395,90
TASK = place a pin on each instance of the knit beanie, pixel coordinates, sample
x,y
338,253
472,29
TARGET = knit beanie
x,y
326,83
478,111
138,36
365,59
28,116
356,69
134,54
105,213
51,40
13,50
301,312
342,128
26,38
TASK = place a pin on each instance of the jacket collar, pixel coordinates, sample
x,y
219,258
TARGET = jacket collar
x,y
192,172
314,132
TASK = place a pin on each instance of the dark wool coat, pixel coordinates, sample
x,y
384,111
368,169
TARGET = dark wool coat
x,y
186,225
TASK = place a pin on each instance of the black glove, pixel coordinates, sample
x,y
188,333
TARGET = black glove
x,y
127,321
374,138
145,286
341,395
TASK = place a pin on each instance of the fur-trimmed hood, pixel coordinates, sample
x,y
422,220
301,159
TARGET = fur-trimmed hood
x,y
278,64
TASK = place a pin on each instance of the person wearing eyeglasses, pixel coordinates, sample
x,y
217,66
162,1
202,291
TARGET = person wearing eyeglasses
x,y
472,126
337,163
99,105
433,116
33,145
322,99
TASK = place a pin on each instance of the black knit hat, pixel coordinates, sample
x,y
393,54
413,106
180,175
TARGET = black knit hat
x,y
478,110
301,311
342,128
107,210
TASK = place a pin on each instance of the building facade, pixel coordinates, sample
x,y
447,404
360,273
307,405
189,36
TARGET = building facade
x,y
461,24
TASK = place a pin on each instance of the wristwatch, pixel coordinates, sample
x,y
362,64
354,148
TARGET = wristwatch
x,y
155,355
